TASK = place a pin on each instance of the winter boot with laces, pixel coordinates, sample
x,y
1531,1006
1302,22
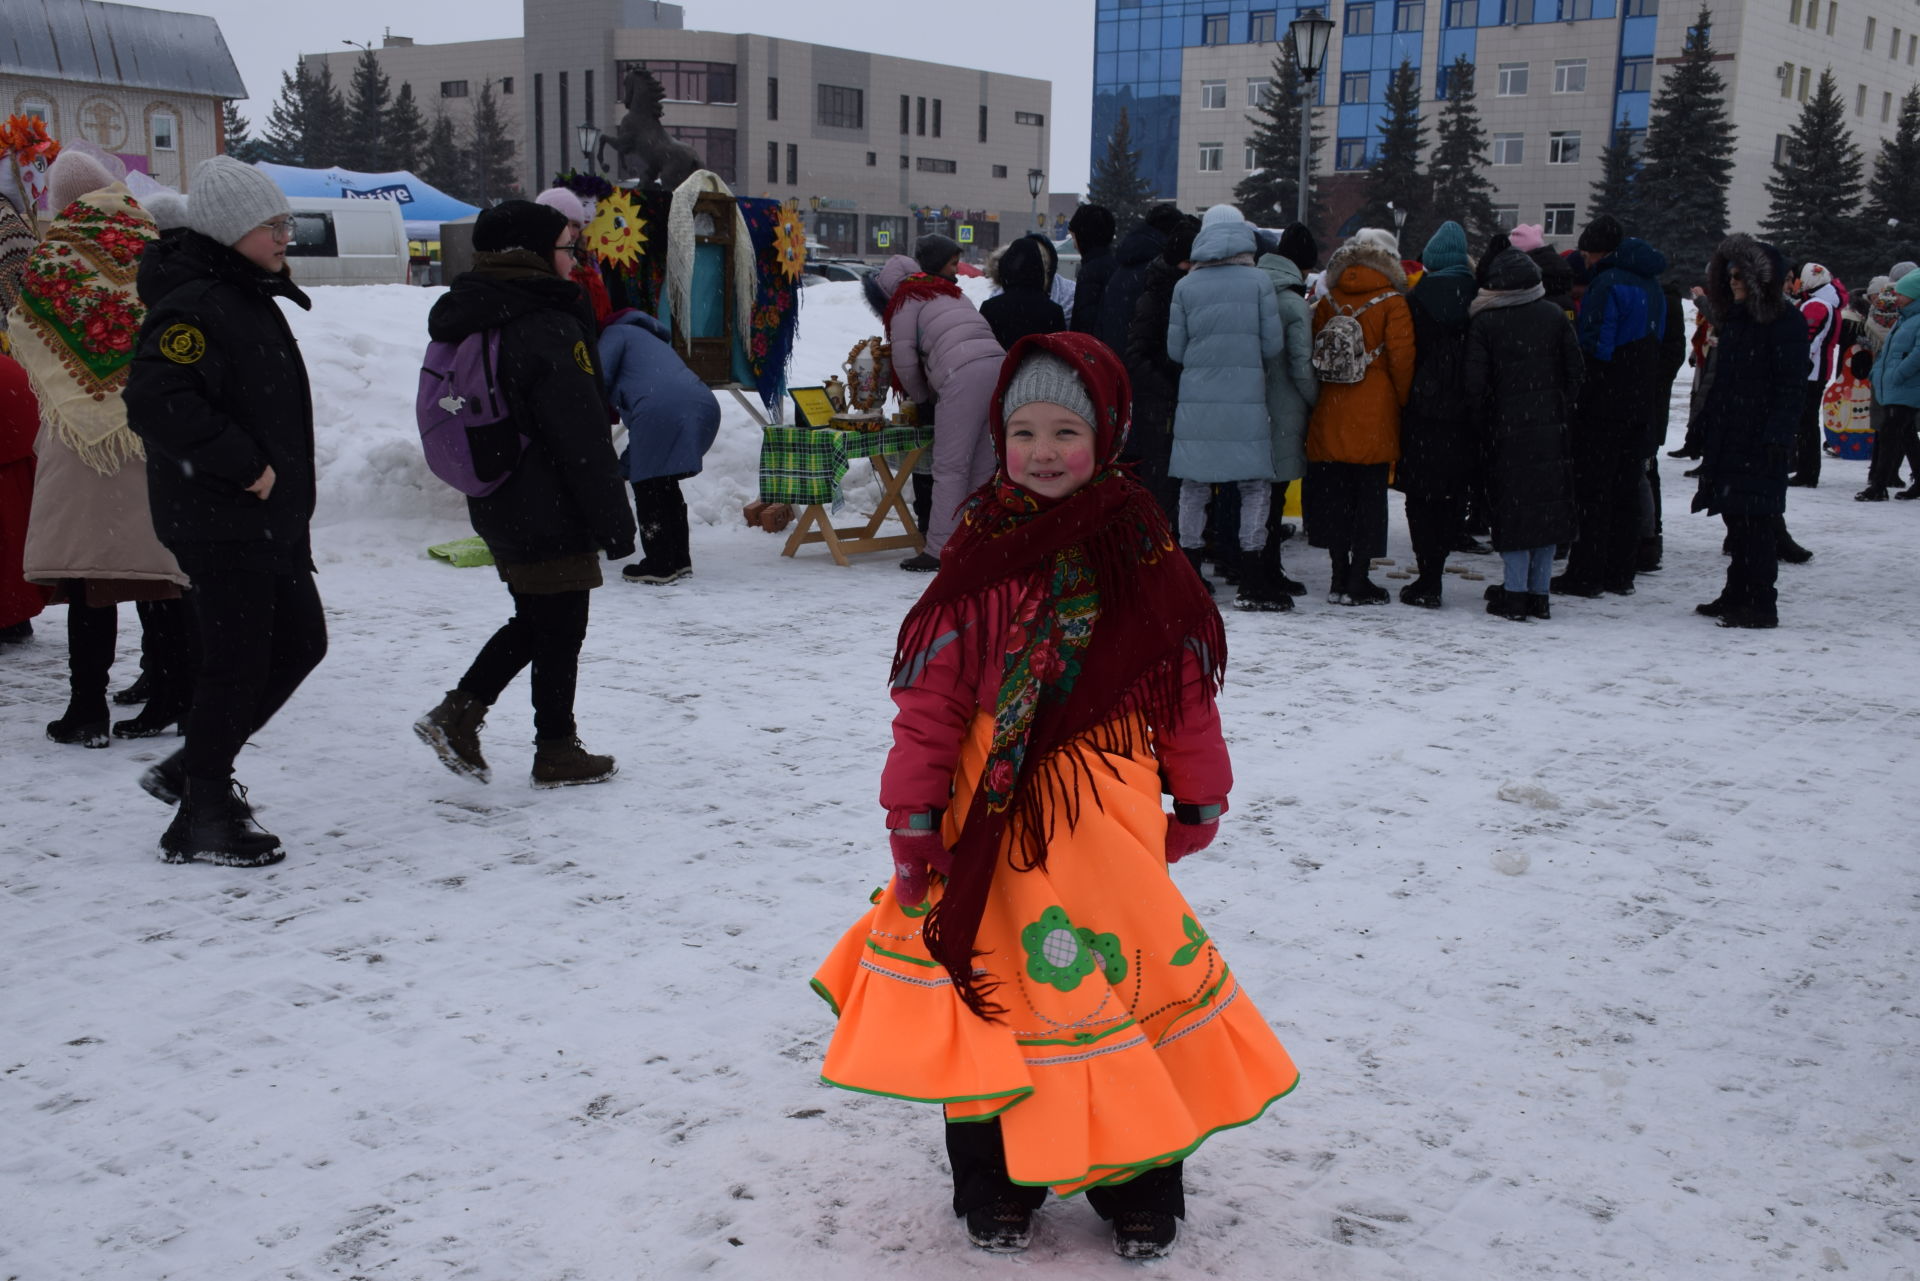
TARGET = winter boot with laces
x,y
563,762
1144,1234
452,730
1002,1227
215,825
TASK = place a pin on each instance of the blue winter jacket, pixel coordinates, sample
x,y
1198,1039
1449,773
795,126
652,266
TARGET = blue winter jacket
x,y
1623,302
671,416
1896,371
1224,328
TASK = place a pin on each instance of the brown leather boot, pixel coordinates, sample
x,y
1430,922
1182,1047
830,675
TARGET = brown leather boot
x,y
563,762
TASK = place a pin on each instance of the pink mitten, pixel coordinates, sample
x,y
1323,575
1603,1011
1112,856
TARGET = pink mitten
x,y
914,855
1185,838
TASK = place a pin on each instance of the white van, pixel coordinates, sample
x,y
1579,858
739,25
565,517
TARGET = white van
x,y
347,242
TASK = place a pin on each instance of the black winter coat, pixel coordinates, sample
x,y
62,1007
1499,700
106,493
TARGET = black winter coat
x,y
1154,374
1523,370
218,392
1132,260
1673,354
1021,311
565,497
1436,434
1090,290
1752,409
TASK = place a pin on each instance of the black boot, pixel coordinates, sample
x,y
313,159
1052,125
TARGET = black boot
x,y
1258,590
1511,606
1788,550
564,762
1195,555
136,693
214,824
1425,589
153,720
452,730
1291,586
1871,494
1647,558
166,781
1539,605
1362,590
85,723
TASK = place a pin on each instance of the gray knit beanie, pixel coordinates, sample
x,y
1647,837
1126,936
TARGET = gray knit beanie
x,y
227,199
1043,376
934,251
1899,269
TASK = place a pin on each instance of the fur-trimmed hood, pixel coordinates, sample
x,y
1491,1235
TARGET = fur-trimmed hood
x,y
1358,267
1764,270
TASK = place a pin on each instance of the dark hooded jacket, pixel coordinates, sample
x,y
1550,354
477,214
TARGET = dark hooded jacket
x,y
1523,370
219,393
1023,307
1435,427
1622,318
565,497
1135,256
1672,355
1752,407
1090,289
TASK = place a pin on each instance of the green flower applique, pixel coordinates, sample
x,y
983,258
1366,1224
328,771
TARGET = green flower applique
x,y
1061,954
1196,939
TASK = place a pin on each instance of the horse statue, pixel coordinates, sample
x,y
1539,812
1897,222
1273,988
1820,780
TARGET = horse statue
x,y
644,150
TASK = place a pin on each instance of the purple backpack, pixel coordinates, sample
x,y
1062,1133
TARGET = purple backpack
x,y
463,415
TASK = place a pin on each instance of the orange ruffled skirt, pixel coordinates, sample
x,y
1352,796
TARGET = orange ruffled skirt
x,y
1126,1041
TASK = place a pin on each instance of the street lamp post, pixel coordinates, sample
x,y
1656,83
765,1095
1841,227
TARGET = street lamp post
x,y
1310,33
1036,179
1399,220
589,136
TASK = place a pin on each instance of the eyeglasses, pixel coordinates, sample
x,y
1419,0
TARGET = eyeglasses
x,y
573,249
280,228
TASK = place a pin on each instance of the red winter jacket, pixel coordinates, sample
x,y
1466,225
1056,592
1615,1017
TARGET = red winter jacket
x,y
938,694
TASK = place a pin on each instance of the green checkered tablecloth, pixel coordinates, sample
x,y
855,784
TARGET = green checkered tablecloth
x,y
806,464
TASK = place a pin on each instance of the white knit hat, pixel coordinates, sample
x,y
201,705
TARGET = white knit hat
x,y
1043,376
169,209
73,175
227,199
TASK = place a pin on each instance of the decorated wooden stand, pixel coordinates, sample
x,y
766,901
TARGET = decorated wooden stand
x,y
816,522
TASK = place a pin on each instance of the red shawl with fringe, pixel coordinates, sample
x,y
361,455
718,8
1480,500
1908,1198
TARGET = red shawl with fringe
x,y
1120,610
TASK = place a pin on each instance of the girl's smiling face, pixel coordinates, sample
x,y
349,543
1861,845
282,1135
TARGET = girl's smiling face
x,y
1049,449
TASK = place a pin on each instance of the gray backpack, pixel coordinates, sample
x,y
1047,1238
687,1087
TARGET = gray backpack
x,y
1340,352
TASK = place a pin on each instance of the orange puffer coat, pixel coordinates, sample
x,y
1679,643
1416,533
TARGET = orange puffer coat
x,y
1360,422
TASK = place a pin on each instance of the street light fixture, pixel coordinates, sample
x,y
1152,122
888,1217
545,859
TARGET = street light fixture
x,y
1036,179
1399,220
1310,33
589,136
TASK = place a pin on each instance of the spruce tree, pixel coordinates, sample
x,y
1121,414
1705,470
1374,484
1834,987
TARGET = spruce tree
x,y
368,100
1892,212
406,131
1688,162
443,163
1396,178
490,151
327,122
1617,191
239,134
286,139
1270,195
1117,184
1814,193
1457,175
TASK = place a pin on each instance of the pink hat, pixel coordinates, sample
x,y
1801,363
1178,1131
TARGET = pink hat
x,y
565,201
1527,237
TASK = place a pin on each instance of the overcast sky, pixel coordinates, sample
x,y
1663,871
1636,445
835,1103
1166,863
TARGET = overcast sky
x,y
1048,40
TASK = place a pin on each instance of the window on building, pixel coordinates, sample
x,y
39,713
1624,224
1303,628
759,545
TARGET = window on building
x,y
715,147
793,165
1642,8
1506,215
1786,80
1636,75
1813,15
1802,95
1557,220
842,107
36,109
905,162
1911,42
1029,118
1833,15
1463,13
873,159
936,117
1409,15
906,113
1350,153
539,123
928,164
1509,148
983,122
565,103
1793,11
1860,101
1886,107
1213,29
1573,10
506,83
773,163
1893,46
1871,24
1354,85
1512,80
1782,148
689,81
999,171
164,138
1260,92
920,116
1260,27
773,97
1213,95
1359,20
453,88
1570,75
1440,83
1563,148
1213,156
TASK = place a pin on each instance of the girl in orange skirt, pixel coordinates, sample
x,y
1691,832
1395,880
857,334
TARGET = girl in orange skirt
x,y
1031,966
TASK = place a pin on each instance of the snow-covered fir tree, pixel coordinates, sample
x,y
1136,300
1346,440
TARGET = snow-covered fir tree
x,y
1813,196
1688,163
1456,176
1270,195
1617,191
368,100
1396,177
1892,211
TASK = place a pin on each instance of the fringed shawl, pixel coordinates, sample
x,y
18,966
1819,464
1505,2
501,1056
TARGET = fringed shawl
x,y
680,246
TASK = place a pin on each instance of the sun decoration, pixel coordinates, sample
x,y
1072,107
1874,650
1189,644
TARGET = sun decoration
x,y
617,230
790,242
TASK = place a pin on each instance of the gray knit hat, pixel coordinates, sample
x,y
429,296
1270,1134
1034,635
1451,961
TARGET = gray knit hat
x,y
74,175
169,209
1043,376
227,199
934,251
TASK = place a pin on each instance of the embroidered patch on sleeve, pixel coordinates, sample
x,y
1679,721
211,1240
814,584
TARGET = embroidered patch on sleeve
x,y
581,358
183,344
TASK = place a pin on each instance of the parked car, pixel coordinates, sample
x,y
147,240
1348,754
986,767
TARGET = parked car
x,y
347,242
820,271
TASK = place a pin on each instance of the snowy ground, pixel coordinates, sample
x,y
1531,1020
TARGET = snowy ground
x,y
1595,939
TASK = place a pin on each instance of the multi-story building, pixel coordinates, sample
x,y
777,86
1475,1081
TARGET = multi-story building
x,y
876,150
1553,80
447,80
144,84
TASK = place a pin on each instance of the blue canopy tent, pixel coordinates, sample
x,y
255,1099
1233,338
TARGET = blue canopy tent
x,y
423,208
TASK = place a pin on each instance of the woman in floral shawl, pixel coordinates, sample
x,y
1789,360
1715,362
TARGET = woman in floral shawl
x,y
1032,966
90,536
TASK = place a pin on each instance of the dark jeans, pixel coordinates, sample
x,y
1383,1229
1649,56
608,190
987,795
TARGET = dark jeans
x,y
91,630
1606,487
1346,510
660,510
545,631
1753,543
978,1156
1807,437
260,634
1894,439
